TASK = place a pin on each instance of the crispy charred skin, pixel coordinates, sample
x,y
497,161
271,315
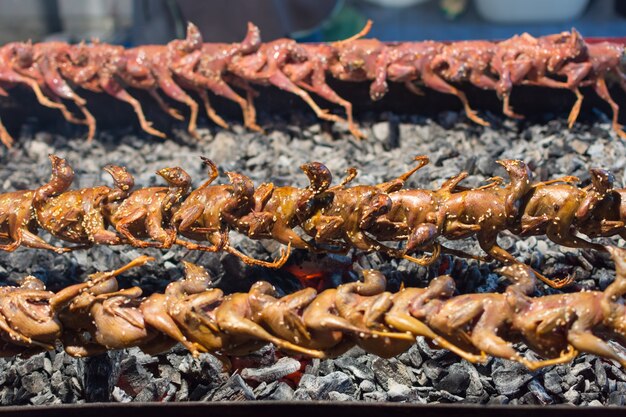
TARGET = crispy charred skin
x,y
486,212
576,322
557,209
29,314
147,212
346,213
210,211
556,327
185,311
18,222
608,216
278,210
77,215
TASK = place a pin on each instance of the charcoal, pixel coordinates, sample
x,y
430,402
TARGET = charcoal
x,y
319,387
97,378
45,398
445,396
367,386
572,396
402,393
539,392
499,399
434,354
358,367
326,367
600,376
376,396
432,369
617,398
475,385
35,382
422,373
134,377
32,364
528,399
456,381
118,395
235,389
386,369
283,367
182,394
552,381
337,396
156,390
509,380
200,391
412,357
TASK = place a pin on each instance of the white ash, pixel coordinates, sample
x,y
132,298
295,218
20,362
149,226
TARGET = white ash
x,y
422,374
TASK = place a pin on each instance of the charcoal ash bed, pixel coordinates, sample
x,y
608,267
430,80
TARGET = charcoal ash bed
x,y
421,375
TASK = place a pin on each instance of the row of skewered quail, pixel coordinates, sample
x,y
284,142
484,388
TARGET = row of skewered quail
x,y
96,315
336,218
56,71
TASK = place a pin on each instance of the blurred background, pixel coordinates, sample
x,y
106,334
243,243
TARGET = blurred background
x,y
158,21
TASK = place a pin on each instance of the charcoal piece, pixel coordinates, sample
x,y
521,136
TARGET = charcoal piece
x,y
120,396
499,399
35,382
528,399
552,381
572,396
386,369
587,397
617,398
283,367
426,350
456,381
277,390
182,393
412,357
97,381
169,373
359,367
583,369
32,364
600,376
510,378
338,396
319,387
432,369
326,367
199,392
367,386
155,391
475,387
535,387
45,398
402,393
235,389
376,396
134,377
